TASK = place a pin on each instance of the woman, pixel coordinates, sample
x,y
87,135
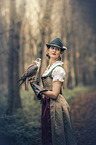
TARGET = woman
x,y
56,119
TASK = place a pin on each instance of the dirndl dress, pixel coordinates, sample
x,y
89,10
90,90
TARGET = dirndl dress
x,y
56,117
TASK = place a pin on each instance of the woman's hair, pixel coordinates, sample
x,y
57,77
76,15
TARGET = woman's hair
x,y
61,50
59,58
47,54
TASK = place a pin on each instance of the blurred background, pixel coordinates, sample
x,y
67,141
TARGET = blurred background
x,y
25,28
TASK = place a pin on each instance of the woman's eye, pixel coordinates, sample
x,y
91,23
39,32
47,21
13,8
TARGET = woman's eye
x,y
57,48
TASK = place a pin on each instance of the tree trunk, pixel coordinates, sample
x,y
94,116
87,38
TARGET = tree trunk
x,y
22,50
10,71
14,100
1,65
17,100
65,30
45,32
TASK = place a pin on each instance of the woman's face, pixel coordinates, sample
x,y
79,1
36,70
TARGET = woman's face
x,y
54,52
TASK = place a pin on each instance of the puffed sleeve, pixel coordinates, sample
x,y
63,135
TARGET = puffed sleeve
x,y
58,74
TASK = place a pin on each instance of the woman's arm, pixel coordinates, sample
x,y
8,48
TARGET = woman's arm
x,y
55,90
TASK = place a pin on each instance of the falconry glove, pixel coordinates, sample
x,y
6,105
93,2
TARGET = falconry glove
x,y
37,89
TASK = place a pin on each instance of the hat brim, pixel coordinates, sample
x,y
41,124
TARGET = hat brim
x,y
63,48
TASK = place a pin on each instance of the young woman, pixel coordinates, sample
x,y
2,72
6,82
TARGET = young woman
x,y
56,117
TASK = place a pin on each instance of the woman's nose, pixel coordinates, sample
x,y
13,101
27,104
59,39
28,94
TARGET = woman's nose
x,y
54,49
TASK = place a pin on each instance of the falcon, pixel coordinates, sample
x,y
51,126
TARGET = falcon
x,y
30,71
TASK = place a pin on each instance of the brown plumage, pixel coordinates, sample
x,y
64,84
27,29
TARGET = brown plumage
x,y
29,72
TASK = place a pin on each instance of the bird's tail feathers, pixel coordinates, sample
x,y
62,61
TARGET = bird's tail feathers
x,y
20,82
26,84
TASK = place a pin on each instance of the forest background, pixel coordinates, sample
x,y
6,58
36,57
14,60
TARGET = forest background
x,y
25,28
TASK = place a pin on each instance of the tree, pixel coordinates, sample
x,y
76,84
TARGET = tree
x,y
45,31
14,100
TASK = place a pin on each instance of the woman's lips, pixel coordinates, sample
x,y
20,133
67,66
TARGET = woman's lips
x,y
53,53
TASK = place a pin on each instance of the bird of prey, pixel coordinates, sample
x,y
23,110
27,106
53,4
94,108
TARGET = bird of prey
x,y
30,71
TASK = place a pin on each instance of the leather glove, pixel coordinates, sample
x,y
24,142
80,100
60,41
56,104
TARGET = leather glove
x,y
37,89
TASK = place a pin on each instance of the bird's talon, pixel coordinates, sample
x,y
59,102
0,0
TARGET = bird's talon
x,y
30,79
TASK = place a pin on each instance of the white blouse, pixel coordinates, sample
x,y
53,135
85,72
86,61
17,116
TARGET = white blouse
x,y
58,73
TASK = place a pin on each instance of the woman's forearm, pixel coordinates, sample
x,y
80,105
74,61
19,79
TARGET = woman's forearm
x,y
50,94
55,90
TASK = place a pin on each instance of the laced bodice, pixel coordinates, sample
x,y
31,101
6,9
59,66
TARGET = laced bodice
x,y
53,73
47,83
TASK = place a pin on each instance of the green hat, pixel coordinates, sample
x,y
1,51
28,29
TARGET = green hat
x,y
56,43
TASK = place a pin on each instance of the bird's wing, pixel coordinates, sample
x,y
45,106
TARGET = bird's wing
x,y
31,70
31,65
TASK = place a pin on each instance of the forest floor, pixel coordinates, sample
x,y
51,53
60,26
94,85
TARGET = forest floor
x,y
23,128
83,111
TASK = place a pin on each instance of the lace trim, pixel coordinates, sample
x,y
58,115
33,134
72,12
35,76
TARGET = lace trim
x,y
49,68
58,77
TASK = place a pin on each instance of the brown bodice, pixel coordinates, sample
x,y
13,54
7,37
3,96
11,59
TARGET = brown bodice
x,y
47,82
